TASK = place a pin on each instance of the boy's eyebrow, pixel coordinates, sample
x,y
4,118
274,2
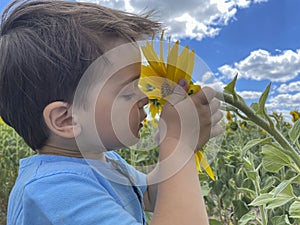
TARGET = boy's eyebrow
x,y
136,77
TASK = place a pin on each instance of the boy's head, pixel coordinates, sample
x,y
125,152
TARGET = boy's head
x,y
45,48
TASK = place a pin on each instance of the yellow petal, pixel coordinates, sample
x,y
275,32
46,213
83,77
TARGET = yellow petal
x,y
148,71
153,109
198,157
172,61
153,59
207,168
181,65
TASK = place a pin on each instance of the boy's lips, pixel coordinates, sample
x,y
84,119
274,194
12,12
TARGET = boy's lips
x,y
141,123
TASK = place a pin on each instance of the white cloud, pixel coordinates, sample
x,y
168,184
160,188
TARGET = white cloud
x,y
216,84
259,1
261,65
291,87
250,94
284,101
189,18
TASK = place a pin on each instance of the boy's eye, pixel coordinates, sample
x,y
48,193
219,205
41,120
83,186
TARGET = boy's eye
x,y
128,96
131,90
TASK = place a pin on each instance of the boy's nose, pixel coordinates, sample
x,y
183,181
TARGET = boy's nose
x,y
143,101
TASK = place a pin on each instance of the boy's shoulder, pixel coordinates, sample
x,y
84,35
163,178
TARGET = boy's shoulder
x,y
39,166
48,184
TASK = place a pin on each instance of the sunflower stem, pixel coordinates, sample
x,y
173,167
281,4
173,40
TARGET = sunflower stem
x,y
261,122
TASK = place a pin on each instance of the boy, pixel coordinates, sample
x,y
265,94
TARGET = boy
x,y
68,86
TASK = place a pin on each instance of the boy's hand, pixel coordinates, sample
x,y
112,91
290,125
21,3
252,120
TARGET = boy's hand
x,y
190,119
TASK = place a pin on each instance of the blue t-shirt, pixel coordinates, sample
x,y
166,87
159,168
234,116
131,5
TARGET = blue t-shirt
x,y
64,190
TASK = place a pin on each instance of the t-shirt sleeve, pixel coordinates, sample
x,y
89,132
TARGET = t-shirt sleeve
x,y
68,198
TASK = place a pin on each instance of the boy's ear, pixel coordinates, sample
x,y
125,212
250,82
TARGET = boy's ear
x,y
59,119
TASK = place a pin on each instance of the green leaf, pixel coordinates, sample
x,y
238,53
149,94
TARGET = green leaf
x,y
240,208
254,106
294,132
140,158
272,202
280,220
214,222
247,218
297,180
283,185
269,185
274,158
247,190
229,88
262,199
205,190
294,210
248,163
256,142
218,187
252,174
284,197
262,100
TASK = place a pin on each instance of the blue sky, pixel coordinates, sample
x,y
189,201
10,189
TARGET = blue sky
x,y
259,39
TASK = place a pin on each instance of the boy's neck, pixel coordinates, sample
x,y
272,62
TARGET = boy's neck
x,y
55,150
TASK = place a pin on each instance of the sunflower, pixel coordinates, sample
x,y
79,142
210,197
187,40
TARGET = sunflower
x,y
295,115
244,125
159,78
229,116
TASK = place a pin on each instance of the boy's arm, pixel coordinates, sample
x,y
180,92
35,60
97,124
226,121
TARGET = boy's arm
x,y
186,125
179,199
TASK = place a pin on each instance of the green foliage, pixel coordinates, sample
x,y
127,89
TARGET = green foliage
x,y
258,165
274,158
12,149
294,133
144,154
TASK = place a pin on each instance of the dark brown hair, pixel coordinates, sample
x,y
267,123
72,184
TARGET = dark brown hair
x,y
45,47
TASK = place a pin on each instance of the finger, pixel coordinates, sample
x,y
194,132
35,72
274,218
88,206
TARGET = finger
x,y
216,131
214,105
179,92
206,95
216,117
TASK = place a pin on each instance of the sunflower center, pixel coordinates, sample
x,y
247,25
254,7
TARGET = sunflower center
x,y
149,88
166,89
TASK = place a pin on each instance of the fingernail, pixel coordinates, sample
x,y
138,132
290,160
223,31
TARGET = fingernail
x,y
181,82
